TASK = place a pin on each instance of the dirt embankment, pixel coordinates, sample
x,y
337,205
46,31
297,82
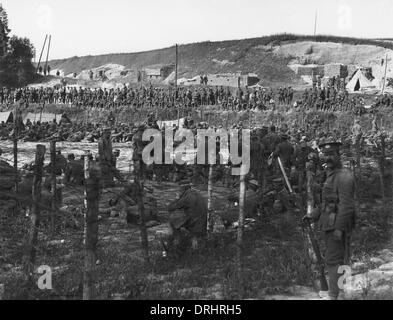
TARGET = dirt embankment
x,y
269,57
347,54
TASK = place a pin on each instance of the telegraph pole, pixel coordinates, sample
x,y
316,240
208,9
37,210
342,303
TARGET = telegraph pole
x,y
42,51
315,23
384,78
47,54
176,66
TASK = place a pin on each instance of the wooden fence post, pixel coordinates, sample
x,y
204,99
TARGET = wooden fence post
x,y
382,167
141,208
92,190
35,212
209,199
240,230
16,149
53,185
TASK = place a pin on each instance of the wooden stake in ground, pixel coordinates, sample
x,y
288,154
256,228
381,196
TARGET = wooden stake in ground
x,y
35,212
16,149
358,159
240,229
141,208
242,201
105,152
53,185
92,190
381,161
209,199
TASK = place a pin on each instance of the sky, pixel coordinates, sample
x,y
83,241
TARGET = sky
x,y
87,27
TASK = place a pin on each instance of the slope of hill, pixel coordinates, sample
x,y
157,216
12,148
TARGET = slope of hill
x,y
259,55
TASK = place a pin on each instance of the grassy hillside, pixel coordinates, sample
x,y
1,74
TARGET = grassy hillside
x,y
247,55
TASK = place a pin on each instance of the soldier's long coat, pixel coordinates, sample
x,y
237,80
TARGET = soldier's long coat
x,y
195,212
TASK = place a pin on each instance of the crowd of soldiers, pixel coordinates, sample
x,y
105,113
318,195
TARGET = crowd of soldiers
x,y
327,98
296,148
65,130
140,97
330,99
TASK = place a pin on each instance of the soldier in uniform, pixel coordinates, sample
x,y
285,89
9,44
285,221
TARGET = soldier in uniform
x,y
195,212
285,151
300,157
337,214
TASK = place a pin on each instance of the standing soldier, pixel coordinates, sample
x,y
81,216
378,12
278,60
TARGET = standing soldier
x,y
337,214
300,157
285,151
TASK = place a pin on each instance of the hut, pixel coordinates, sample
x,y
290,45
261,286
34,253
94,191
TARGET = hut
x,y
336,70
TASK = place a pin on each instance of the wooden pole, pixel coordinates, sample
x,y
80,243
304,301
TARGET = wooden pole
x,y
42,51
47,54
16,149
382,168
176,64
86,164
240,229
92,190
141,208
105,152
176,69
209,198
384,78
42,109
310,207
35,214
315,23
53,185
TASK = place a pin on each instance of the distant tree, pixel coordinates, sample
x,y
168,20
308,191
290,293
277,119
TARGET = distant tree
x,y
4,19
16,68
4,30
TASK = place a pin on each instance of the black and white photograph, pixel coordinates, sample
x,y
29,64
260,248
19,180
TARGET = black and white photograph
x,y
209,152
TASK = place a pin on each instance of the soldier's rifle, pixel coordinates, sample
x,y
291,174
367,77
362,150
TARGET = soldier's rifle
x,y
308,231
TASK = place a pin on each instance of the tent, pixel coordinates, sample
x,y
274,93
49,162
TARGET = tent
x,y
44,117
6,117
170,79
359,82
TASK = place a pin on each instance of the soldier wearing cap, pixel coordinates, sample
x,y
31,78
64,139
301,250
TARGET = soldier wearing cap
x,y
336,216
195,212
285,151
